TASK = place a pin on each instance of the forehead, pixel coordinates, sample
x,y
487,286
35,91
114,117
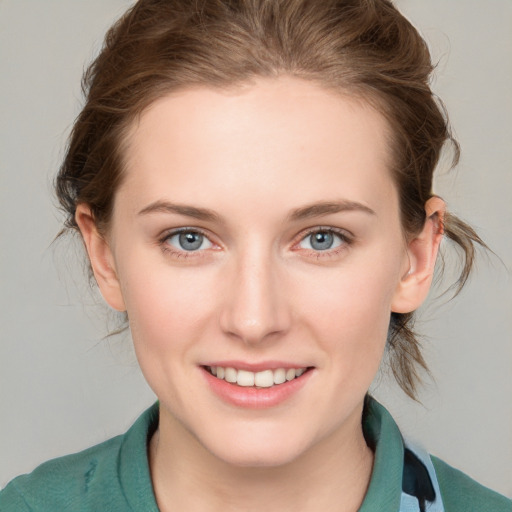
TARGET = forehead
x,y
284,139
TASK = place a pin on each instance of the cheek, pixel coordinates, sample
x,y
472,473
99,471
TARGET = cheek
x,y
167,308
349,310
169,313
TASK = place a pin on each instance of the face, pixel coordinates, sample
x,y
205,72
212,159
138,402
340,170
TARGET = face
x,y
256,233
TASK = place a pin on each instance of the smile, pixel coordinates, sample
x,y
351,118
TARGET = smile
x,y
263,379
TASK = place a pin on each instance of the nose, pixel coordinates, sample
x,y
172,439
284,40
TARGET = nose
x,y
256,307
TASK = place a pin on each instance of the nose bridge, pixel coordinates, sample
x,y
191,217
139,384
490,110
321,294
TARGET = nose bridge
x,y
256,305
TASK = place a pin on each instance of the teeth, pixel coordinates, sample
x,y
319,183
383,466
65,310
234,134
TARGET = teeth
x,y
290,374
279,376
230,375
244,378
263,379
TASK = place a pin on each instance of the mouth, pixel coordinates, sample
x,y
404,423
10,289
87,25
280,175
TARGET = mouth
x,y
263,379
269,385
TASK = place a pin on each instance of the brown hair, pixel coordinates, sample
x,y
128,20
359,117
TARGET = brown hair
x,y
365,48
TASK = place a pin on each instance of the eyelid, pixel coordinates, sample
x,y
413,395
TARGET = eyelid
x,y
347,239
344,233
203,240
167,234
185,229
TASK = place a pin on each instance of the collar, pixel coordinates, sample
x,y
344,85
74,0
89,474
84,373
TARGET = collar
x,y
398,465
133,464
403,477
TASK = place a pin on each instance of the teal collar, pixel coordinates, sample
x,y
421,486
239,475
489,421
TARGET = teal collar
x,y
383,436
134,474
381,432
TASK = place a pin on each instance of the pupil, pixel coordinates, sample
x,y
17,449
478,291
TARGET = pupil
x,y
191,241
321,240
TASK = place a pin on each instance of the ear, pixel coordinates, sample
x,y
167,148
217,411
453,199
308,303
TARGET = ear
x,y
101,258
422,251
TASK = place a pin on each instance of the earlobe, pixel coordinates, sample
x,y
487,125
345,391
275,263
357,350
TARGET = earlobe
x,y
422,251
101,258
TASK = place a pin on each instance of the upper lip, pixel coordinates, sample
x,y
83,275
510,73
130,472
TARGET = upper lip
x,y
255,367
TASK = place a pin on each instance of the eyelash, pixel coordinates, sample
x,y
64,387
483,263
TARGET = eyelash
x,y
169,249
346,241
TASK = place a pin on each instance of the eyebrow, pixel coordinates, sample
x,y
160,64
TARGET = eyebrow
x,y
327,207
305,212
180,209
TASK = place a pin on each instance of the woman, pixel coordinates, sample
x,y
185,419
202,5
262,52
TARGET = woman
x,y
253,185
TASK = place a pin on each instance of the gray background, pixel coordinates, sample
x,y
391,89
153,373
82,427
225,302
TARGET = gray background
x,y
63,388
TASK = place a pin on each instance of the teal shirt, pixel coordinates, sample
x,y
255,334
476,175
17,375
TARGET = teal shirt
x,y
114,476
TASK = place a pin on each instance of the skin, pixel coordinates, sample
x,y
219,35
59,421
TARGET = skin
x,y
257,290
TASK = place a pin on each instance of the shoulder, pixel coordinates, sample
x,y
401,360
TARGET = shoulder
x,y
110,477
461,493
73,482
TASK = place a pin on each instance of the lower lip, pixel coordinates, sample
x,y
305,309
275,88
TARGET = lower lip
x,y
255,398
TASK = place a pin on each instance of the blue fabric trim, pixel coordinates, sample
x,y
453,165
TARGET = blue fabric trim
x,y
410,503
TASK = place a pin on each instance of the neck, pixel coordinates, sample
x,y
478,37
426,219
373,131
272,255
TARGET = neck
x,y
333,475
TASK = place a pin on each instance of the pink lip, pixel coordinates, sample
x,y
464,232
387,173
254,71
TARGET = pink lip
x,y
251,397
255,367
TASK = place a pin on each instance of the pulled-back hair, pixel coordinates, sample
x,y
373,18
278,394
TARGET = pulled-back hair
x,y
364,48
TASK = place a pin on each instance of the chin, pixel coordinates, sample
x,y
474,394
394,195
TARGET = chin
x,y
260,458
266,450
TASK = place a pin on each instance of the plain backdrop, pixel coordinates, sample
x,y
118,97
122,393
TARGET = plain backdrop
x,y
64,388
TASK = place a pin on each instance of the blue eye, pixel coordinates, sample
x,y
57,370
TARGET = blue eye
x,y
322,240
189,241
